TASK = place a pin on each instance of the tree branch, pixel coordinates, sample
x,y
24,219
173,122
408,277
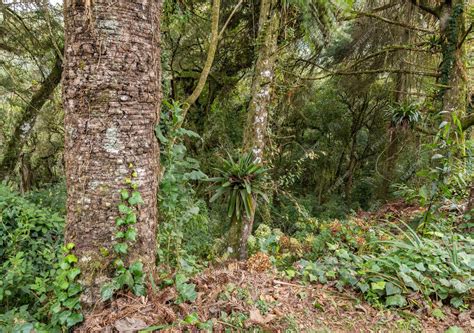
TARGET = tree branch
x,y
464,36
386,20
423,5
373,71
386,49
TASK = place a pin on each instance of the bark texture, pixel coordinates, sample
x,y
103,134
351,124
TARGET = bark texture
x,y
256,128
111,96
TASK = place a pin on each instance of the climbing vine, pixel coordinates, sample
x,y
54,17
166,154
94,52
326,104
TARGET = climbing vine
x,y
132,276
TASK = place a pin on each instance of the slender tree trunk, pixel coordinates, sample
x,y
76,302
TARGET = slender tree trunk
x,y
111,95
256,128
388,171
209,60
351,169
26,123
453,79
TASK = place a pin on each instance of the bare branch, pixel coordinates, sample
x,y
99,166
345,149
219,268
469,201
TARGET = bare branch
x,y
373,71
386,20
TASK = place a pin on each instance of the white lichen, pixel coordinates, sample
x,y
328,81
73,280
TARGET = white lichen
x,y
111,141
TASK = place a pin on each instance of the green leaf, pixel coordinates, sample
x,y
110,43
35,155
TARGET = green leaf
x,y
457,302
379,285
192,318
73,319
119,222
395,300
187,292
71,274
121,248
159,135
135,199
71,303
124,209
70,258
459,286
136,269
63,284
391,289
74,289
139,290
131,234
107,291
56,307
409,281
124,194
131,218
64,316
438,314
217,195
125,279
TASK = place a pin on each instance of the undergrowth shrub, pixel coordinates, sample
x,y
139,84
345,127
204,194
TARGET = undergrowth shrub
x,y
30,245
186,230
52,197
400,269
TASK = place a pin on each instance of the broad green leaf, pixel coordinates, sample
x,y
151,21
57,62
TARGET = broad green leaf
x,y
395,300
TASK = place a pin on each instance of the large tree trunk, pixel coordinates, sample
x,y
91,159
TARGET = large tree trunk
x,y
111,95
256,128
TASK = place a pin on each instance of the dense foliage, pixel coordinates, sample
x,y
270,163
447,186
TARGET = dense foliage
x,y
361,116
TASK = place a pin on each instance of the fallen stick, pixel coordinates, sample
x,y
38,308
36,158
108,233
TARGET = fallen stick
x,y
288,284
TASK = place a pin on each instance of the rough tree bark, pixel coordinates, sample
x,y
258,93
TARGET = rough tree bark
x,y
256,128
111,96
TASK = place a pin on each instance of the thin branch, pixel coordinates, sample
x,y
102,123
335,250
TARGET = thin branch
x,y
373,71
229,18
466,33
389,48
397,23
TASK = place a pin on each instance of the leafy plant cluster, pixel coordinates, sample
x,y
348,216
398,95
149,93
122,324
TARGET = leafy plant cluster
x,y
398,268
131,276
186,230
39,288
66,310
240,182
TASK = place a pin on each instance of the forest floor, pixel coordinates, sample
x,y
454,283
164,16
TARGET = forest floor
x,y
234,298
254,297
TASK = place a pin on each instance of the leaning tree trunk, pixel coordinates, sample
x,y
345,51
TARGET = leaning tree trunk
x,y
23,128
257,120
111,96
